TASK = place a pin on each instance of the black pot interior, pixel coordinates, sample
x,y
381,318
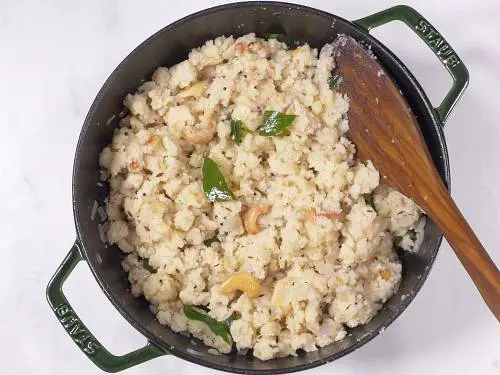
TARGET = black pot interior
x,y
170,46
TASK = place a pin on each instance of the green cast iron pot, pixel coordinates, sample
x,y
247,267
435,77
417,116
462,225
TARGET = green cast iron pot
x,y
170,46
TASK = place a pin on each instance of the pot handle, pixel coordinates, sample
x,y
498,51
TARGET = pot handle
x,y
80,334
436,42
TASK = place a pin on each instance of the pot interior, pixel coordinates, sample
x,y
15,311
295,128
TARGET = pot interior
x,y
170,46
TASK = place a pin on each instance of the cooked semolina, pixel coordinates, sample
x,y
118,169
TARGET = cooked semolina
x,y
303,244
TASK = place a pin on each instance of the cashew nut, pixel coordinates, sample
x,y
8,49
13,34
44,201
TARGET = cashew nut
x,y
203,134
194,90
250,218
199,138
244,282
278,297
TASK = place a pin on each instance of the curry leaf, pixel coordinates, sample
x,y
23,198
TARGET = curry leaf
x,y
236,130
334,81
219,328
369,200
280,37
275,123
144,263
231,319
277,32
214,184
210,241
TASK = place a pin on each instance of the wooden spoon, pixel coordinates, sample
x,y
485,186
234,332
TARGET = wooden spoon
x,y
384,131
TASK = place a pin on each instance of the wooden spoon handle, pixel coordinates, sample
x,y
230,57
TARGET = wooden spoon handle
x,y
481,268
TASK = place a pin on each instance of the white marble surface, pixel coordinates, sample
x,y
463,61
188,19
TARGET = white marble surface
x,y
55,55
